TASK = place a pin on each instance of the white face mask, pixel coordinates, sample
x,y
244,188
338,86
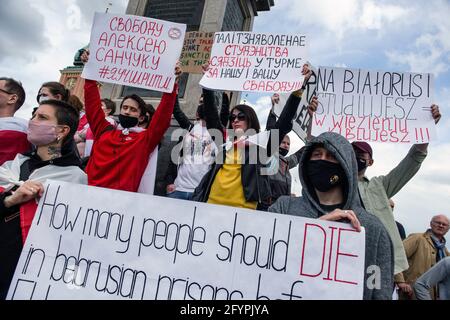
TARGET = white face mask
x,y
43,98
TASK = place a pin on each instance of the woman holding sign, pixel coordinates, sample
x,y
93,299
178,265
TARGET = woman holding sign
x,y
121,152
51,131
239,177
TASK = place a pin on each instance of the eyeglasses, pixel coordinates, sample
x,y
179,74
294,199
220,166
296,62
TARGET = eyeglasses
x,y
240,116
440,223
7,92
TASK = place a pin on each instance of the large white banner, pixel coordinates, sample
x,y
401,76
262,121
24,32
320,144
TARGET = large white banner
x,y
375,106
257,62
134,51
95,243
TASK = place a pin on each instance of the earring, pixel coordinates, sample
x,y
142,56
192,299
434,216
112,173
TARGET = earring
x,y
58,138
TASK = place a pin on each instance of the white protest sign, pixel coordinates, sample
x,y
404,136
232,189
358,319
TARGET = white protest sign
x,y
257,62
134,51
109,244
302,118
375,106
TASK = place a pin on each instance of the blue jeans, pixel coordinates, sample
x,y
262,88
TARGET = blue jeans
x,y
180,195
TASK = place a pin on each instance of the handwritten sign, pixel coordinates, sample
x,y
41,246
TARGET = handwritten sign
x,y
134,51
375,106
109,244
257,62
302,118
196,51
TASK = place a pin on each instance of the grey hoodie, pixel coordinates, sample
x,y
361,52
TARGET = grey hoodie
x,y
379,252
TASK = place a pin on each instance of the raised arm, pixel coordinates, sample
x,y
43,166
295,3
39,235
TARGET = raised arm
x,y
272,118
436,114
225,110
94,112
394,181
161,119
180,116
93,105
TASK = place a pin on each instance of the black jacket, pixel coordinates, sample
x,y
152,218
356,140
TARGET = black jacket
x,y
256,186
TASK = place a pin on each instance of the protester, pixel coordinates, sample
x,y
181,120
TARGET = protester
x,y
236,179
438,276
375,192
149,112
51,130
198,149
423,251
328,174
53,90
84,136
13,130
280,182
120,154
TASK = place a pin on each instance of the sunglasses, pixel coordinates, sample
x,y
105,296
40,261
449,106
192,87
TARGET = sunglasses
x,y
240,116
7,92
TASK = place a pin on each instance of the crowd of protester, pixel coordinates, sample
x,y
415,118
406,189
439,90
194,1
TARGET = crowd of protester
x,y
90,144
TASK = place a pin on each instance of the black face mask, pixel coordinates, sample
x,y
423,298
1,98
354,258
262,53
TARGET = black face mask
x,y
127,121
325,175
362,164
283,152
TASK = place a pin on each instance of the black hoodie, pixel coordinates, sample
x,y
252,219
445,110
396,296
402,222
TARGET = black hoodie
x,y
378,246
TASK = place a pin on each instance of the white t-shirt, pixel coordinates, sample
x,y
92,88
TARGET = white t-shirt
x,y
199,152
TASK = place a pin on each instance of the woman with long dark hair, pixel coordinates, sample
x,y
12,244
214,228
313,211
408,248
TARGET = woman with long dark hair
x,y
238,176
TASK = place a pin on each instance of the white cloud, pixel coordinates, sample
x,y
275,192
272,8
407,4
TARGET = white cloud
x,y
63,35
376,16
431,49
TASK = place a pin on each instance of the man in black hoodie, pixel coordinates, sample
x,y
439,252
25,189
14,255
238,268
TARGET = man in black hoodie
x,y
328,173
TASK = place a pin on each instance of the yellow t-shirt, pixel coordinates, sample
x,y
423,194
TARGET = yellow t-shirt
x,y
227,186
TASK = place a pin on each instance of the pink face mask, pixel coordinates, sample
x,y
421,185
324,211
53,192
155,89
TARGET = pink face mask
x,y
41,134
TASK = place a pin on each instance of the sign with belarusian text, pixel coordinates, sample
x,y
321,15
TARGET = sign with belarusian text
x,y
134,51
375,106
257,62
93,243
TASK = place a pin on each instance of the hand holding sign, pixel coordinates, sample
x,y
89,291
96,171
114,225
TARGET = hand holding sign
x,y
134,51
26,192
313,105
435,113
343,215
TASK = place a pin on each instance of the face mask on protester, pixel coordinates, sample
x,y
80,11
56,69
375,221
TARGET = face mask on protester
x,y
362,164
325,175
283,152
127,121
40,134
43,98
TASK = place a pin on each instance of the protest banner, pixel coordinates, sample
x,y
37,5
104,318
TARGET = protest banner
x,y
302,118
110,244
375,106
196,51
134,51
256,62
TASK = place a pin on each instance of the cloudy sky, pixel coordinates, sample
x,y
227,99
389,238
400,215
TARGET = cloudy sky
x,y
39,38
